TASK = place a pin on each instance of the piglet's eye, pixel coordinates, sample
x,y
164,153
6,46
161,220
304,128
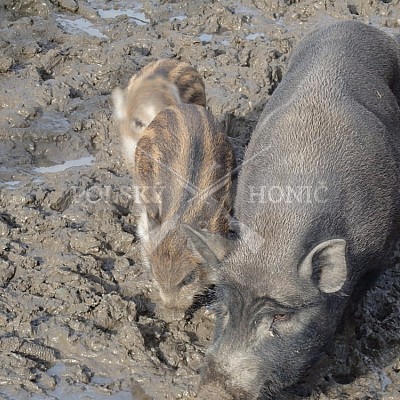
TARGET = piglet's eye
x,y
189,278
256,322
138,124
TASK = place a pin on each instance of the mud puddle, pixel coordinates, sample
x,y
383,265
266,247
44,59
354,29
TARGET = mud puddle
x,y
79,316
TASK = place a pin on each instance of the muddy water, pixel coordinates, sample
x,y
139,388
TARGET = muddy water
x,y
78,312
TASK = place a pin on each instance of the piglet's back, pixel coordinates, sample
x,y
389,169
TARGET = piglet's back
x,y
184,152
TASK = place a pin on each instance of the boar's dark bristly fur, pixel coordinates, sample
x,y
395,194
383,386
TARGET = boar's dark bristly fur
x,y
320,186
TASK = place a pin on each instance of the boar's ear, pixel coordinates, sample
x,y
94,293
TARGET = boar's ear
x,y
119,100
326,265
210,246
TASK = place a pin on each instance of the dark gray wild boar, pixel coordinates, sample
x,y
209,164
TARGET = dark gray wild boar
x,y
320,186
184,152
158,85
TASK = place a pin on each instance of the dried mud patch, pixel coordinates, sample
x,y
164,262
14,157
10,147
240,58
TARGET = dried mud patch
x,y
79,316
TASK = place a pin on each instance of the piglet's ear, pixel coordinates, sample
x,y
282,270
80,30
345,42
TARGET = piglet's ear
x,y
119,101
154,229
211,247
146,225
173,89
326,265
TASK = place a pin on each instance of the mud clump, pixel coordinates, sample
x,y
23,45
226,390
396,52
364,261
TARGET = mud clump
x,y
79,313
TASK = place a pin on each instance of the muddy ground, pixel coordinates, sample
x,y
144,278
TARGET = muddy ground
x,y
78,311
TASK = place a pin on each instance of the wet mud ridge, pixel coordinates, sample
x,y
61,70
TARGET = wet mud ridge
x,y
79,316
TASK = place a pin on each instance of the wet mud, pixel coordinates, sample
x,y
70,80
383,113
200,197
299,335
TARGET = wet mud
x,y
79,313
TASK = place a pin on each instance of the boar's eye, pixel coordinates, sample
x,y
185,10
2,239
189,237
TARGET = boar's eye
x,y
280,317
188,279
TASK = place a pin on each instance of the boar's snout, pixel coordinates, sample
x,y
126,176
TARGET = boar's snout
x,y
235,374
213,391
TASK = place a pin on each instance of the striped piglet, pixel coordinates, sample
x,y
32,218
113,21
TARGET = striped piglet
x,y
160,84
188,161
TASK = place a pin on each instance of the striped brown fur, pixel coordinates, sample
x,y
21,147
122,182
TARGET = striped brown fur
x,y
186,78
183,150
158,85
